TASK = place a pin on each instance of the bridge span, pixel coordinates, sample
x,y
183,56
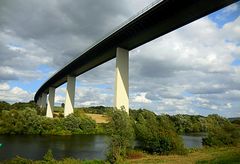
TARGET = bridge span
x,y
159,18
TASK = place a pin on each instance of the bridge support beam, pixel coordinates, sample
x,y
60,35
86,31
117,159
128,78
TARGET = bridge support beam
x,y
70,93
39,101
121,100
43,100
50,102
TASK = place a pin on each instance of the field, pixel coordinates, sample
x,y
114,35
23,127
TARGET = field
x,y
99,118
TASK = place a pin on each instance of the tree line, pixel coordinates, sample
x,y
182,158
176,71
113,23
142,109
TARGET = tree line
x,y
155,133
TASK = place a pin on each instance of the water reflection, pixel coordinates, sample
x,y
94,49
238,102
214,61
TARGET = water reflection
x,y
77,146
34,147
193,140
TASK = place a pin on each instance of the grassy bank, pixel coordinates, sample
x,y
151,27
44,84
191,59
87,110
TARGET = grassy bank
x,y
222,155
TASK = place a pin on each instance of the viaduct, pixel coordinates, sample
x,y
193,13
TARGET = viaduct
x,y
159,18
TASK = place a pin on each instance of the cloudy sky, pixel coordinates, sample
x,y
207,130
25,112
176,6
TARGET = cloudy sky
x,y
193,70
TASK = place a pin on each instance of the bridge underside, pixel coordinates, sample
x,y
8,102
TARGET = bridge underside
x,y
163,18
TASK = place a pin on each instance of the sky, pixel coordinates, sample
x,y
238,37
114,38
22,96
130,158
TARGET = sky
x,y
192,70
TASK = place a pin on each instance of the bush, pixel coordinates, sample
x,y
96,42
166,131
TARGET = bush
x,y
221,132
237,122
122,136
27,121
4,106
87,124
71,123
48,157
18,160
20,122
157,134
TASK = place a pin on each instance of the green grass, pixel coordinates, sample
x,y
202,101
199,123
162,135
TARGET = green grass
x,y
228,158
223,155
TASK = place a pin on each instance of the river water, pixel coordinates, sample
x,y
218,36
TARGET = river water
x,y
193,140
77,146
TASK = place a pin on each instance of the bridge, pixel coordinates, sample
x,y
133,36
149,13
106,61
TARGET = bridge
x,y
160,18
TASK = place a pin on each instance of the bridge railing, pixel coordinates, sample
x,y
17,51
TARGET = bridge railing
x,y
128,21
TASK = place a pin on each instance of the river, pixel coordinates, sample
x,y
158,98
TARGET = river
x,y
193,140
77,146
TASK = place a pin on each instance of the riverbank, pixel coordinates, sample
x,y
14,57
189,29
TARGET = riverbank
x,y
226,155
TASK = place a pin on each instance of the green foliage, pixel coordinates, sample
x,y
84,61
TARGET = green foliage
x,y
122,136
23,105
227,158
71,123
18,160
237,122
48,157
189,124
94,162
20,122
4,106
221,132
29,122
86,123
157,134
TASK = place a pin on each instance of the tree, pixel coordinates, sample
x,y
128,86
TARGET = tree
x,y
157,133
122,136
4,106
221,132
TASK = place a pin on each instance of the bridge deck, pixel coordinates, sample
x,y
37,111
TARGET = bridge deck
x,y
160,19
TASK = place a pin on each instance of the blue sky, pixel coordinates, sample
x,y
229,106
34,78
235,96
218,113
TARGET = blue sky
x,y
193,70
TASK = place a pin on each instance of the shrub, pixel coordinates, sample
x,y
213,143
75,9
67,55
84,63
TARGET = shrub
x,y
221,132
71,123
157,134
48,157
122,136
4,106
18,160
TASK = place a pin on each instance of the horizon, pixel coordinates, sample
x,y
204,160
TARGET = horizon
x,y
77,108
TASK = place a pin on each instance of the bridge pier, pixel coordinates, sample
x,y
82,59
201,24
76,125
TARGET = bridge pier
x,y
70,93
50,102
43,100
39,101
121,99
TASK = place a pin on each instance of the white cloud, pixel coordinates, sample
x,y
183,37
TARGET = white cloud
x,y
230,9
15,94
4,86
141,98
90,103
229,105
231,31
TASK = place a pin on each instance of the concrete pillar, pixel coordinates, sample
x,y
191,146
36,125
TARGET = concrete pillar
x,y
39,101
50,102
70,93
43,100
121,80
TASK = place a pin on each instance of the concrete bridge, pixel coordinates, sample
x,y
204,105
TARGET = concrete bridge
x,y
159,18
